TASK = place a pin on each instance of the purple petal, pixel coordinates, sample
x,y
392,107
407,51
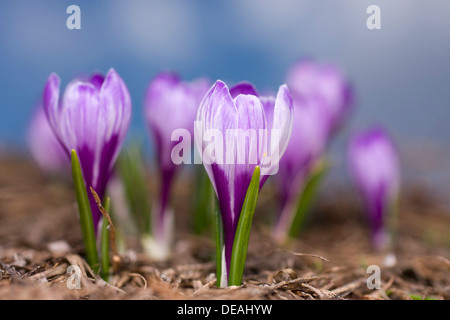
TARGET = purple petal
x,y
283,117
374,165
216,112
307,144
97,80
50,102
115,108
252,127
45,148
280,115
243,87
79,116
177,103
324,84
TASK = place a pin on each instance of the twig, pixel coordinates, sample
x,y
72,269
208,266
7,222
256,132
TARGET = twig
x,y
112,230
291,283
306,255
141,277
323,294
348,287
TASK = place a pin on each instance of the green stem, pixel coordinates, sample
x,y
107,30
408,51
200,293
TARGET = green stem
x,y
307,197
104,242
240,245
132,173
84,209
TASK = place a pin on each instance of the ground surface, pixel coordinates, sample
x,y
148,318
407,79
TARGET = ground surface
x,y
328,261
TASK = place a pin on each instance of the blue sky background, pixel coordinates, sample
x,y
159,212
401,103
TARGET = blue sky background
x,y
401,73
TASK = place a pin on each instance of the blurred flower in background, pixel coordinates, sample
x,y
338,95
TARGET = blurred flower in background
x,y
46,150
322,102
322,85
374,166
170,104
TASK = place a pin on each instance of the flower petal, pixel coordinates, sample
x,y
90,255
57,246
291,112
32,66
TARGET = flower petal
x,y
374,166
50,102
309,80
177,101
45,148
79,124
283,117
115,117
97,80
243,87
217,112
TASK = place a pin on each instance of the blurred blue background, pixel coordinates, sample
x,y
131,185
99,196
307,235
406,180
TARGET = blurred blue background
x,y
401,73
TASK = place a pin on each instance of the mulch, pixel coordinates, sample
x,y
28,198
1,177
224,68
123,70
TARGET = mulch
x,y
40,238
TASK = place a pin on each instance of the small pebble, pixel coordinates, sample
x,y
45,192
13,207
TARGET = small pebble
x,y
59,247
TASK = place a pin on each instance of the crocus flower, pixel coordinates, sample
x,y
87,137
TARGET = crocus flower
x,y
322,101
45,148
306,147
222,112
374,166
325,85
170,104
92,118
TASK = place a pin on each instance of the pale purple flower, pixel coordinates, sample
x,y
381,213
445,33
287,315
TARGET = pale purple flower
x,y
45,148
170,104
307,145
92,118
325,85
322,101
374,166
223,111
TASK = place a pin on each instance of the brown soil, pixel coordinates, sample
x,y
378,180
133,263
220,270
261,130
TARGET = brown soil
x,y
35,212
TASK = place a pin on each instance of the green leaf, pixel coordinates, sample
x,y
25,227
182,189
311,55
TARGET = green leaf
x,y
104,242
416,297
132,174
219,241
240,245
84,209
307,197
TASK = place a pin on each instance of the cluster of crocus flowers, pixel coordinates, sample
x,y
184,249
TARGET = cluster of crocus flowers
x,y
242,138
322,101
231,135
170,106
44,146
90,122
373,163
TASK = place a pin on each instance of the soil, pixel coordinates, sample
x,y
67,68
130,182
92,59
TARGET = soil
x,y
40,238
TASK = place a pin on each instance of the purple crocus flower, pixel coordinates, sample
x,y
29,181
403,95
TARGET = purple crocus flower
x,y
45,148
170,104
307,145
325,85
374,166
222,113
92,118
322,101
